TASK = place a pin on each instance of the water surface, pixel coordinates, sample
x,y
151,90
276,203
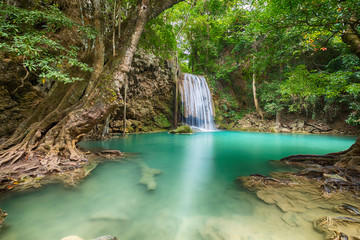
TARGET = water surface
x,y
195,197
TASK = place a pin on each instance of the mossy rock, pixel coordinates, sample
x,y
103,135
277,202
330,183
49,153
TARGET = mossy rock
x,y
185,129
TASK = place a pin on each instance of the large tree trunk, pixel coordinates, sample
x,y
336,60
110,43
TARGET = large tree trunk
x,y
125,103
176,80
46,142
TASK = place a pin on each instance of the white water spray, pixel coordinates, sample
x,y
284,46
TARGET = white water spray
x,y
197,103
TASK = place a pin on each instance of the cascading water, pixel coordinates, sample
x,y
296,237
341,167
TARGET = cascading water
x,y
197,103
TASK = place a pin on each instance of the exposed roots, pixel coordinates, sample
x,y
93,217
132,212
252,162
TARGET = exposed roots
x,y
12,155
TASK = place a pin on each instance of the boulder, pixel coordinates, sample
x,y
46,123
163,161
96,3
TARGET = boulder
x,y
185,129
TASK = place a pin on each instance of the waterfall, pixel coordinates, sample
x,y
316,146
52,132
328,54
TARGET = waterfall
x,y
196,102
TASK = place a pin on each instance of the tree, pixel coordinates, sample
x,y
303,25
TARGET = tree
x,y
48,138
332,18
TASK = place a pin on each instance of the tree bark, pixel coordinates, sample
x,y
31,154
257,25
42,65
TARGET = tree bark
x,y
176,103
113,31
125,102
47,140
98,64
256,102
278,119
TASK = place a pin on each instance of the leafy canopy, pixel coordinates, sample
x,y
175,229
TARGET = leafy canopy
x,y
28,35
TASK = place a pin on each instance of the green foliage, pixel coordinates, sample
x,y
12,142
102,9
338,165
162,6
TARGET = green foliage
x,y
303,91
28,35
159,38
294,48
162,121
227,107
300,89
271,97
354,91
224,71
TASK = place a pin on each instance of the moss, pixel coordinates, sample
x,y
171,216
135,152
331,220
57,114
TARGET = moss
x,y
185,129
162,121
229,126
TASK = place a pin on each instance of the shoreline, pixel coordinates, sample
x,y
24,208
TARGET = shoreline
x,y
77,172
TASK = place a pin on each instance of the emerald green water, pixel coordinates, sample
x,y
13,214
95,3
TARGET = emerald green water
x,y
195,196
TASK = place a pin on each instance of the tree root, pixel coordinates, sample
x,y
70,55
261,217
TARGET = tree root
x,y
306,160
12,155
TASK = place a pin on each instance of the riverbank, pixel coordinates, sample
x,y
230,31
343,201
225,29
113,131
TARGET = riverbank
x,y
291,124
21,176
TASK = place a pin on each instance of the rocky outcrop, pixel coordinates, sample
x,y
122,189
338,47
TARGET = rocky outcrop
x,y
292,124
18,97
150,96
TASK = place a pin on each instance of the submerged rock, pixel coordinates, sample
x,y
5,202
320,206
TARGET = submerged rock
x,y
107,237
302,198
72,237
185,129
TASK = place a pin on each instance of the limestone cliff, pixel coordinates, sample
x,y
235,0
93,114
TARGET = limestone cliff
x,y
150,96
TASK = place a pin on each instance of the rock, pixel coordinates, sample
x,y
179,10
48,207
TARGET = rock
x,y
348,209
338,228
3,215
285,130
301,124
184,129
291,219
107,237
334,176
72,237
111,153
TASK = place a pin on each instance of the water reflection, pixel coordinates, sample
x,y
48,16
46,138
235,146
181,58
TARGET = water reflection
x,y
196,171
